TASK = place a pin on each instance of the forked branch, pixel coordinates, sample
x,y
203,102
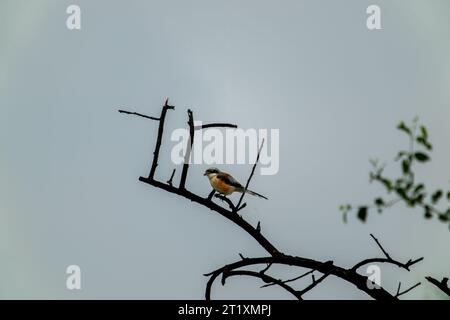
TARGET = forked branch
x,y
276,257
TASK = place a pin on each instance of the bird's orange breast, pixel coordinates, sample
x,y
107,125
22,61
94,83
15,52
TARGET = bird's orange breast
x,y
221,186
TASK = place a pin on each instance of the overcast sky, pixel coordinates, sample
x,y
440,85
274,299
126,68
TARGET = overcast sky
x,y
69,164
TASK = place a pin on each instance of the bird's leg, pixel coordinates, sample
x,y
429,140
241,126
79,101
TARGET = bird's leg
x,y
221,196
224,198
211,194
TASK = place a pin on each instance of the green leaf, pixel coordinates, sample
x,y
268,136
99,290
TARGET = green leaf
x,y
419,198
421,157
362,213
402,127
402,193
424,142
418,188
428,214
443,217
387,183
424,132
379,202
448,196
435,197
406,165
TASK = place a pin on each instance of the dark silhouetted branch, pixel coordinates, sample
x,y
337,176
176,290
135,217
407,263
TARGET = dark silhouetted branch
x,y
211,194
264,277
215,125
276,256
171,177
187,155
398,294
266,268
388,259
380,246
314,283
162,119
215,207
327,268
290,280
139,114
250,177
442,285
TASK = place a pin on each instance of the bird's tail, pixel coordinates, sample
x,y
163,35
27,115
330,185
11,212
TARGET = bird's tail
x,y
253,193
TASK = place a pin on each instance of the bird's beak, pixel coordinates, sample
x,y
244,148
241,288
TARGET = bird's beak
x,y
205,174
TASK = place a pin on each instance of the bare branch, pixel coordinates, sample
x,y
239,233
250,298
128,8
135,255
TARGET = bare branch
x,y
139,114
442,285
215,125
266,268
211,194
388,259
380,246
313,284
291,280
242,256
327,268
251,175
276,257
398,294
266,278
188,150
215,207
162,119
171,177
399,264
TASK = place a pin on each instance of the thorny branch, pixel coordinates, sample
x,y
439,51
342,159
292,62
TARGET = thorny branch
x,y
442,285
398,294
388,259
327,268
250,177
264,277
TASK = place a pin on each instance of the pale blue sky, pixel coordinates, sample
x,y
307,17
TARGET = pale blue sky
x,y
69,161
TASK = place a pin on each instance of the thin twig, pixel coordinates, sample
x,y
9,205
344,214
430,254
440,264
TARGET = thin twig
x,y
313,284
266,268
171,177
211,194
388,259
380,246
162,119
327,268
187,155
251,175
264,277
139,114
442,285
215,125
291,280
266,244
406,291
276,257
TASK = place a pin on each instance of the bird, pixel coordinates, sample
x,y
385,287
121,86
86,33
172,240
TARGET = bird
x,y
225,184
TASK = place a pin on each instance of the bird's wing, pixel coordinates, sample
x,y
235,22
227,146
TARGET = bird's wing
x,y
228,179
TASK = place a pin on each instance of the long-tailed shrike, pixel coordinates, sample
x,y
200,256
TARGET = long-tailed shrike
x,y
225,184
